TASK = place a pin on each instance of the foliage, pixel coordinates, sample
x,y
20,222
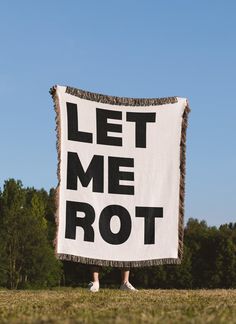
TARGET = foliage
x,y
26,257
27,232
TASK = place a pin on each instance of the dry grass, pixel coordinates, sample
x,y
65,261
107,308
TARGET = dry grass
x,y
113,306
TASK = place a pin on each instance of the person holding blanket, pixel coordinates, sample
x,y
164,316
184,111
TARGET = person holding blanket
x,y
125,284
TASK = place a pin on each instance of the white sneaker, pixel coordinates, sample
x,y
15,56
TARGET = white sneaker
x,y
127,286
93,286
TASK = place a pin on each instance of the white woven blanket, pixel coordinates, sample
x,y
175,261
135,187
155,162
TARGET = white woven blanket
x,y
121,169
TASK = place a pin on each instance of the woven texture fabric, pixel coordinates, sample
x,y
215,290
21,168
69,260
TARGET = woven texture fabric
x,y
121,178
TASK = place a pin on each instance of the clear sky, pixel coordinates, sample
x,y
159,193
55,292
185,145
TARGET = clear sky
x,y
133,48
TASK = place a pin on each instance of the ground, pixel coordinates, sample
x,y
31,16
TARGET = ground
x,y
77,305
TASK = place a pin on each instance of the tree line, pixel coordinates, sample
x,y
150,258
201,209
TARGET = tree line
x,y
27,259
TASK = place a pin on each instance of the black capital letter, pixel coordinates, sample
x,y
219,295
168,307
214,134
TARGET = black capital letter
x,y
104,224
103,127
141,120
114,175
72,207
75,169
72,123
149,213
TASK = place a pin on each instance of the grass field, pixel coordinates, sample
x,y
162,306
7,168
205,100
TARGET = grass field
x,y
113,306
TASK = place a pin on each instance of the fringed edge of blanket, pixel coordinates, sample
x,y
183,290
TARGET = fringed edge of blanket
x,y
118,264
182,179
53,92
125,102
121,101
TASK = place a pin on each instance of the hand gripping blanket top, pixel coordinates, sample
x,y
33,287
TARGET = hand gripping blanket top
x,y
121,178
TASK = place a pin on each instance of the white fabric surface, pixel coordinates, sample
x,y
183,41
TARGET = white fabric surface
x,y
156,181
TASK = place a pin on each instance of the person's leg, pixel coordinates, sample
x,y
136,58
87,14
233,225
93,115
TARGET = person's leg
x,y
94,273
125,284
125,275
94,284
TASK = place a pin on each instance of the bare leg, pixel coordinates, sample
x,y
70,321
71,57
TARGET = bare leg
x,y
125,284
125,275
94,285
95,273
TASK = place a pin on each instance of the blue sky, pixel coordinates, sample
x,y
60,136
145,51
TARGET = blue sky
x,y
130,48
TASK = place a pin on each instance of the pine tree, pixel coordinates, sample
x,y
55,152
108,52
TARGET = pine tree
x,y
26,257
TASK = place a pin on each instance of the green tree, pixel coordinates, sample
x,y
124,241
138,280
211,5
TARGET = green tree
x,y
226,258
26,256
213,254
